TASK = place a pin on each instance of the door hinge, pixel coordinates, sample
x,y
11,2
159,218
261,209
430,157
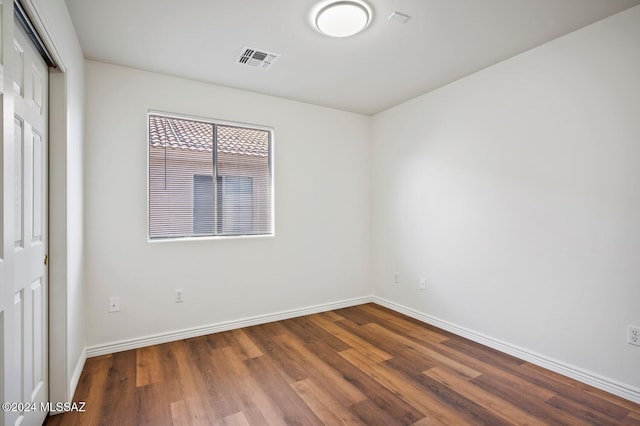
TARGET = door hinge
x,y
46,260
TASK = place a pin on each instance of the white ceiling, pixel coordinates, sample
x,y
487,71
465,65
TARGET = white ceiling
x,y
385,65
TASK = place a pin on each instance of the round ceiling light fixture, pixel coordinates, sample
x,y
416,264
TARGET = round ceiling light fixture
x,y
342,18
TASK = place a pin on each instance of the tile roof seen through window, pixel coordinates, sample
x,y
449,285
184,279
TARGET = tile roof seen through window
x,y
198,136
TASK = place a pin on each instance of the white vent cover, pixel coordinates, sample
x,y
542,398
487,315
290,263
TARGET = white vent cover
x,y
398,18
257,58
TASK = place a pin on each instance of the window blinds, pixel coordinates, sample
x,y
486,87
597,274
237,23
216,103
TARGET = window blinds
x,y
208,179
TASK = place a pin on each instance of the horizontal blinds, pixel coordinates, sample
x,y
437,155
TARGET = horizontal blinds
x,y
207,179
244,184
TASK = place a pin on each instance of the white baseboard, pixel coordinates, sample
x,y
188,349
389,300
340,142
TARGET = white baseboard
x,y
608,385
124,345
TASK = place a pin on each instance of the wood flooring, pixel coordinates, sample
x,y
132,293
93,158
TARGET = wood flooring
x,y
364,365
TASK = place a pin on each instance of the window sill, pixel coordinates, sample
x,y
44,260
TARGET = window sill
x,y
218,237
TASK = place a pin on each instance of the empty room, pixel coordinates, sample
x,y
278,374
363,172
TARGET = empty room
x,y
320,212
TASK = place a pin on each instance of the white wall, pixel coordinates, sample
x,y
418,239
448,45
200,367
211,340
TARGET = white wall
x,y
516,193
66,251
320,253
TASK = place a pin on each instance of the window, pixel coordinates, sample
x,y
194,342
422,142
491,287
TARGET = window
x,y
203,204
208,178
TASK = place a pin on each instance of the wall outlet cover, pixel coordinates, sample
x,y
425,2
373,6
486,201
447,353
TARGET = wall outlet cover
x,y
423,284
114,304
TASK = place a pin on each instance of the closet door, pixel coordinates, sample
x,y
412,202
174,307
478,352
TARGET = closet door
x,y
24,289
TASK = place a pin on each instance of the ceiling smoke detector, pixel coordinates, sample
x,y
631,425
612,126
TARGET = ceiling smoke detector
x,y
342,18
257,58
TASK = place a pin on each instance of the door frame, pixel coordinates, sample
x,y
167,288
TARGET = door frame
x,y
61,384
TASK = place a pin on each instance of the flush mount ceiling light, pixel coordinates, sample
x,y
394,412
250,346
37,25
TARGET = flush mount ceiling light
x,y
342,18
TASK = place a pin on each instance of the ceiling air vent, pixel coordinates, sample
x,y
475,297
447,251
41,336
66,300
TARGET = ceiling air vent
x,y
257,58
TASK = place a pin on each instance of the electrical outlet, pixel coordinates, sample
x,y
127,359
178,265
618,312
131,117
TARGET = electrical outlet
x,y
633,335
179,295
396,277
423,284
114,304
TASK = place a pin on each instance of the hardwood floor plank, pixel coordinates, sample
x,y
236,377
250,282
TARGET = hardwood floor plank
x,y
425,352
383,398
271,328
497,405
615,400
190,411
391,313
359,365
482,364
154,406
532,377
244,345
214,378
568,389
309,332
163,386
180,414
579,411
121,381
413,395
323,374
414,332
148,366
449,398
408,329
327,408
190,388
379,312
496,368
527,399
237,419
189,382
294,369
350,339
372,414
332,316
91,386
220,340
242,388
388,345
482,353
632,419
276,384
354,314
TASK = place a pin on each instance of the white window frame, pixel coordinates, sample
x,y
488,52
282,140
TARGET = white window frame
x,y
213,121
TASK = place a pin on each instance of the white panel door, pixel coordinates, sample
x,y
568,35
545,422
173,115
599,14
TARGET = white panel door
x,y
24,292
